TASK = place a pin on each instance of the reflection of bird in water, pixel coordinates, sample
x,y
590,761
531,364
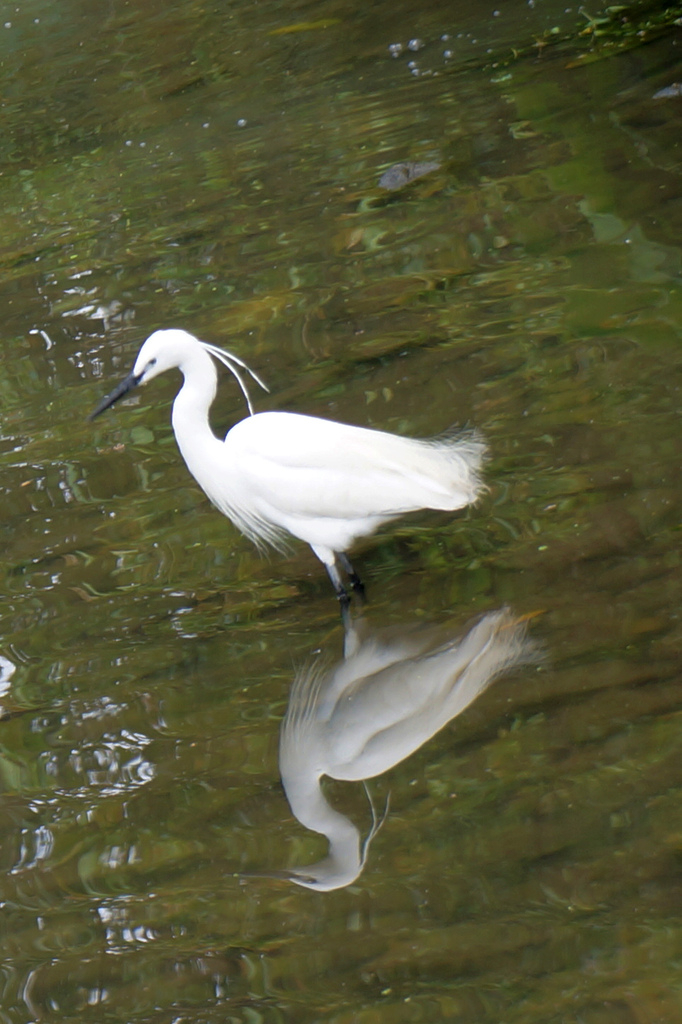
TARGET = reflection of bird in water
x,y
372,710
7,670
279,473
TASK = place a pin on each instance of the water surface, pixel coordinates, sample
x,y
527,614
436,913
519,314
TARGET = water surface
x,y
219,169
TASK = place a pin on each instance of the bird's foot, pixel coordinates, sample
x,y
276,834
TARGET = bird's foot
x,y
353,578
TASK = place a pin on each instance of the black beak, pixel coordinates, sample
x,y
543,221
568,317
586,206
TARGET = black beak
x,y
119,391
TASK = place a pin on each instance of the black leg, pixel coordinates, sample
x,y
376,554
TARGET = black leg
x,y
353,578
344,605
335,577
341,593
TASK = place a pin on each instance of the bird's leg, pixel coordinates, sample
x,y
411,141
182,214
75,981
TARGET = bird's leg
x,y
341,592
347,621
353,578
337,583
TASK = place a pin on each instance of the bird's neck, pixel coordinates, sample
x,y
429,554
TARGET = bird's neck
x,y
191,407
309,804
344,861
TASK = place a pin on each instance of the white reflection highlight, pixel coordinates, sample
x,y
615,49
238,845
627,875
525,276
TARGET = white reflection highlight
x,y
372,710
7,670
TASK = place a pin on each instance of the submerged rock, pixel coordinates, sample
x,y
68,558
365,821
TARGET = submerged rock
x,y
669,91
400,175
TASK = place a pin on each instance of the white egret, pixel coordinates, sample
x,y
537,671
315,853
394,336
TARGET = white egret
x,y
371,711
280,473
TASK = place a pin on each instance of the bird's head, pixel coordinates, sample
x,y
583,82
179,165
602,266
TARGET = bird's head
x,y
168,349
163,350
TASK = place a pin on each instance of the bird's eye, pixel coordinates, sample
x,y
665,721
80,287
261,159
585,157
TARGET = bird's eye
x,y
152,362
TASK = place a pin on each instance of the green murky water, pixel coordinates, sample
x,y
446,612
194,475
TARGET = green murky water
x,y
217,168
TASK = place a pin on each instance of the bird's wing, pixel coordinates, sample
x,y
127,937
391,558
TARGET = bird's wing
x,y
307,466
385,717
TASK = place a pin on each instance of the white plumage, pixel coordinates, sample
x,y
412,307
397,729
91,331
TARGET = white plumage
x,y
280,473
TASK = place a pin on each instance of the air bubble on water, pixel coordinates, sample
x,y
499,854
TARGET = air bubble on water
x,y
415,44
